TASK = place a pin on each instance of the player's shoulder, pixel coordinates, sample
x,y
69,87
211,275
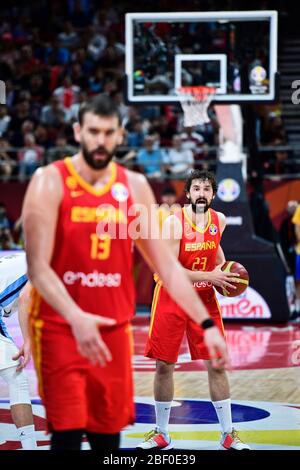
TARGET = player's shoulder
x,y
47,172
135,178
46,182
222,218
138,186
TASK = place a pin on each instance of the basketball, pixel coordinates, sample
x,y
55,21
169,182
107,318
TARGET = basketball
x,y
243,279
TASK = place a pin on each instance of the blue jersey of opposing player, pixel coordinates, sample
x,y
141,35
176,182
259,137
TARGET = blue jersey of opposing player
x,y
13,277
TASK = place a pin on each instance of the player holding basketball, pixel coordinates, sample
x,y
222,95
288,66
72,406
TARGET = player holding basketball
x,y
194,235
80,271
13,298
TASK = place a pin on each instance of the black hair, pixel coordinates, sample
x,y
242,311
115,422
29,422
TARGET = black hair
x,y
202,175
102,105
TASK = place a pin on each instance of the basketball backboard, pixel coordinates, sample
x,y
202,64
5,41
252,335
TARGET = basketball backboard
x,y
236,52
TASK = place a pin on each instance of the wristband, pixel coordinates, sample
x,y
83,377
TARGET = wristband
x,y
207,323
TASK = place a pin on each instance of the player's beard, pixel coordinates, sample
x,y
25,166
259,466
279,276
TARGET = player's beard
x,y
95,164
198,208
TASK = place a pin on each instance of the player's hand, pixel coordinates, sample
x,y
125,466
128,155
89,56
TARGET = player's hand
x,y
23,355
217,349
221,279
90,344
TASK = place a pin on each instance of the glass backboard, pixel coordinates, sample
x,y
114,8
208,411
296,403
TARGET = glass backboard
x,y
236,52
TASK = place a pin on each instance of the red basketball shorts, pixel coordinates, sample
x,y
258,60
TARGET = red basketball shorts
x,y
76,394
169,323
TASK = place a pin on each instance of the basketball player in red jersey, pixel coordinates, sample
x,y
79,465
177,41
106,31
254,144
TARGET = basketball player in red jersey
x,y
194,234
82,274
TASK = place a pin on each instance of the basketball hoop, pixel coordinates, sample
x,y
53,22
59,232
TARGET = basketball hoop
x,y
195,101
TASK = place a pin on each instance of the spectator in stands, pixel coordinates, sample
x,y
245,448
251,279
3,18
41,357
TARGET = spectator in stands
x,y
168,204
136,137
150,159
4,119
7,164
22,113
177,159
42,138
30,157
165,129
56,55
17,138
5,222
296,222
67,93
73,111
274,129
276,160
194,141
61,150
39,91
28,63
118,97
68,37
96,45
96,81
54,114
287,234
19,233
6,240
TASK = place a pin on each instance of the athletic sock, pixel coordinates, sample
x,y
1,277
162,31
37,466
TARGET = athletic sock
x,y
27,437
162,411
223,410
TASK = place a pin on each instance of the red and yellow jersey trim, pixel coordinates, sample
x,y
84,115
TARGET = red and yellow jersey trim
x,y
88,187
191,223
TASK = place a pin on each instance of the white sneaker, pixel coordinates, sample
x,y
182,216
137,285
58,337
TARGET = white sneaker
x,y
231,441
156,440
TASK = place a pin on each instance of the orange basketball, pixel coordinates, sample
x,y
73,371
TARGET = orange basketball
x,y
243,279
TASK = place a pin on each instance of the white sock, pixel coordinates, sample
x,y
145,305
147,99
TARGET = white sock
x,y
162,411
223,410
27,437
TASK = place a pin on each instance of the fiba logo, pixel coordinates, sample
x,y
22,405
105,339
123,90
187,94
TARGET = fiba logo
x,y
119,192
258,74
229,190
213,229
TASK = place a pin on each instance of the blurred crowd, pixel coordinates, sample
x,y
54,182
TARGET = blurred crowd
x,y
56,54
53,55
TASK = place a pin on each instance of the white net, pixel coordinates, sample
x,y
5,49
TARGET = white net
x,y
195,102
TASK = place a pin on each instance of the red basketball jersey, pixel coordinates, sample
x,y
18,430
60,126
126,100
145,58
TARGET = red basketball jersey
x,y
198,248
93,252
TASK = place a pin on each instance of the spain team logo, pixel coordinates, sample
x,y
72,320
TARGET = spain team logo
x,y
119,192
213,229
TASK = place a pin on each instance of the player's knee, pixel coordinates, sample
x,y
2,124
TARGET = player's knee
x,y
214,372
164,368
18,386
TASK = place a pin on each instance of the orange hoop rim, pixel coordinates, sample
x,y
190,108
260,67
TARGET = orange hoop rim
x,y
199,93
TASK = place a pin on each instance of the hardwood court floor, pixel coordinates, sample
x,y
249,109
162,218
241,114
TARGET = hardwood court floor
x,y
265,391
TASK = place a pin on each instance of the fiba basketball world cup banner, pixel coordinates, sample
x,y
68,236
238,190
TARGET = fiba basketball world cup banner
x,y
266,296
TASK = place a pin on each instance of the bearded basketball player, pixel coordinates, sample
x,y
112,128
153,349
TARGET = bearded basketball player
x,y
83,298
